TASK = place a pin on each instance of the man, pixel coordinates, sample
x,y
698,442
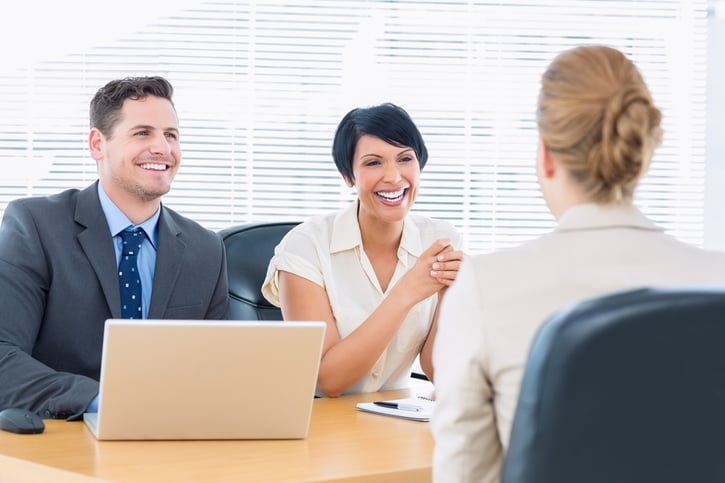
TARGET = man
x,y
60,277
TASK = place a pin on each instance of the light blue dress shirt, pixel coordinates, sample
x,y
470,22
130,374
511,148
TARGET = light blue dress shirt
x,y
118,222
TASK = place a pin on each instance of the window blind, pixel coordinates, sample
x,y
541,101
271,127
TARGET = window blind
x,y
261,85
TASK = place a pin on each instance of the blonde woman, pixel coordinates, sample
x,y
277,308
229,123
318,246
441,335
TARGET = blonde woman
x,y
598,128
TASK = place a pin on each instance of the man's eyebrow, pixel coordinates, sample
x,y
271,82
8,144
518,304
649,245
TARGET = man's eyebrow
x,y
148,127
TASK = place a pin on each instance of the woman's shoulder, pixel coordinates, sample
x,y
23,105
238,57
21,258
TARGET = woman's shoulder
x,y
426,221
434,228
314,231
315,224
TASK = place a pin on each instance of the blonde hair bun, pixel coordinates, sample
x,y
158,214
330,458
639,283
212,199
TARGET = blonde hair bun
x,y
597,116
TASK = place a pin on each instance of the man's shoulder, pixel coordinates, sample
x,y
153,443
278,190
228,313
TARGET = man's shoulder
x,y
188,228
48,203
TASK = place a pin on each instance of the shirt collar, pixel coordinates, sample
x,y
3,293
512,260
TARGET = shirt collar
x,y
346,233
345,230
594,216
118,222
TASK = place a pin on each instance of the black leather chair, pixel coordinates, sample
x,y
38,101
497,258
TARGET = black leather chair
x,y
249,248
625,388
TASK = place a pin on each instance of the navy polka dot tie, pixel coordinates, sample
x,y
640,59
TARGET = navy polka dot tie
x,y
129,280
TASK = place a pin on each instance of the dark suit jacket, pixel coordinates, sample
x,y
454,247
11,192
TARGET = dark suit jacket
x,y
59,283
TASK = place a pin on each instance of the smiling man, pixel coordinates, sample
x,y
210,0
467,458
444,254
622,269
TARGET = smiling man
x,y
66,265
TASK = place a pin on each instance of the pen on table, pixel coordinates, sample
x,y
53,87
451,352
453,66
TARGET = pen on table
x,y
399,406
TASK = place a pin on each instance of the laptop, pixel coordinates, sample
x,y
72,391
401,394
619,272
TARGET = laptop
x,y
203,379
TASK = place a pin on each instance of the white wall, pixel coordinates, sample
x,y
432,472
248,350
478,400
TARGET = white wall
x,y
715,144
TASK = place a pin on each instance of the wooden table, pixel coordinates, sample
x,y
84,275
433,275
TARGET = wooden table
x,y
343,444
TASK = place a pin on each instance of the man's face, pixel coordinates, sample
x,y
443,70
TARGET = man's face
x,y
138,160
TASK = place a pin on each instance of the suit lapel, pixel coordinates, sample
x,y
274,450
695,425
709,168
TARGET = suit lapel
x,y
169,256
97,244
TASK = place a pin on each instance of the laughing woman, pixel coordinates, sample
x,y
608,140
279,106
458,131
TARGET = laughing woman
x,y
373,272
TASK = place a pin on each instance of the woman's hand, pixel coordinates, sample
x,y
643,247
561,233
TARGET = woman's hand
x,y
435,270
445,267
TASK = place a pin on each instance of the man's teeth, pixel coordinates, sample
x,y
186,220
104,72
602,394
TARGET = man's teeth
x,y
154,166
391,195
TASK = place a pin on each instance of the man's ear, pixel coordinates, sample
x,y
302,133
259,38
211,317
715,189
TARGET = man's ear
x,y
547,167
95,143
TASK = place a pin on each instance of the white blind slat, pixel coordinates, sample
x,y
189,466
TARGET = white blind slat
x,y
261,85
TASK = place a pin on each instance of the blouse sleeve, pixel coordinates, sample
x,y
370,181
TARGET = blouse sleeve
x,y
455,237
297,253
442,228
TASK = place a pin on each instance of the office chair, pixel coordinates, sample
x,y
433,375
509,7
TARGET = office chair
x,y
249,248
625,388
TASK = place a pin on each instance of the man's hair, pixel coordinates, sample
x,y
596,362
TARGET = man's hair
x,y
106,105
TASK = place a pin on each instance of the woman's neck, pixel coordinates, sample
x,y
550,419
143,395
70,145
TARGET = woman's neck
x,y
378,236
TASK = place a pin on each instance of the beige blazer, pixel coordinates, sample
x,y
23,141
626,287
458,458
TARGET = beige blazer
x,y
499,300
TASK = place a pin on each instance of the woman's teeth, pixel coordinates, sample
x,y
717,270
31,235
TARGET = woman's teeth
x,y
391,195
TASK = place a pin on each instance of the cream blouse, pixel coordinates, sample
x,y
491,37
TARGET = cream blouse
x,y
327,250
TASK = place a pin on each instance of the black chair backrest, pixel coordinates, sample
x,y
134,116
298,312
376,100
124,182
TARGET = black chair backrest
x,y
625,388
249,248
